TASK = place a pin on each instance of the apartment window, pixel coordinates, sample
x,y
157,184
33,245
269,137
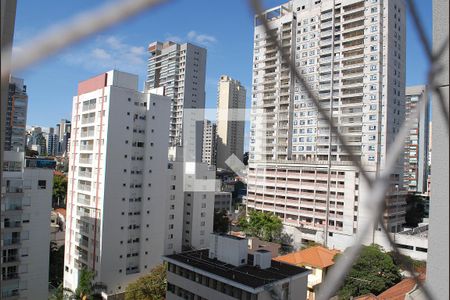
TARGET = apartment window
x,y
42,184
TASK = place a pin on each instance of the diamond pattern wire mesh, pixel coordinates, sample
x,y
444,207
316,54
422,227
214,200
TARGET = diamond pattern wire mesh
x,y
91,22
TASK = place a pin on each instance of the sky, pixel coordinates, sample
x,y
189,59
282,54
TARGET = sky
x,y
224,28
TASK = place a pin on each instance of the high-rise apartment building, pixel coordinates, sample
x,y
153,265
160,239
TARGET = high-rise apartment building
x,y
416,144
7,22
36,140
209,147
52,142
352,54
230,130
124,208
180,69
16,115
197,198
25,225
63,130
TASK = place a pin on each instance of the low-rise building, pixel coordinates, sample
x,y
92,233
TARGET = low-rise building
x,y
318,258
227,271
412,242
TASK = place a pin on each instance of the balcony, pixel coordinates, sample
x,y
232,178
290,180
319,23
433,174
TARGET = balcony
x,y
10,259
9,295
85,174
88,107
88,133
84,187
12,224
11,241
14,189
85,160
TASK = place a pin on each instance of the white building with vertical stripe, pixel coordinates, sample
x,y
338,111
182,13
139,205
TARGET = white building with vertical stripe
x,y
124,210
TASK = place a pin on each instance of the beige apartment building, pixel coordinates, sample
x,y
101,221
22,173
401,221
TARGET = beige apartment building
x,y
230,130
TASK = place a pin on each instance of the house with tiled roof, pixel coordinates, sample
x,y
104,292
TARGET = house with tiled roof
x,y
400,291
318,259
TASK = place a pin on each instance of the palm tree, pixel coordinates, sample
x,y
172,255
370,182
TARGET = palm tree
x,y
86,290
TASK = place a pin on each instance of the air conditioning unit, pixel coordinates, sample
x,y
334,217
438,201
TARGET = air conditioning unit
x,y
262,259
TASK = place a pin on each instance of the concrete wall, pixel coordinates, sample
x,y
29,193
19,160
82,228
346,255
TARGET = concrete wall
x,y
438,254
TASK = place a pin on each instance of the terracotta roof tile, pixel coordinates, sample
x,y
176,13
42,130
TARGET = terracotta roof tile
x,y
398,291
317,256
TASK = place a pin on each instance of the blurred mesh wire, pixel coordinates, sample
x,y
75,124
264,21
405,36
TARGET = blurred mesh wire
x,y
91,22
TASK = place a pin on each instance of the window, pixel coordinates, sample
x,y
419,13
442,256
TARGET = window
x,y
42,184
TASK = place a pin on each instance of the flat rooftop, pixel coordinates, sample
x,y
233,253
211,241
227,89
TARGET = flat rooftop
x,y
247,274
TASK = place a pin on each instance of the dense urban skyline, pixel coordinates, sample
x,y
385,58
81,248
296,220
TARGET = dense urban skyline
x,y
125,47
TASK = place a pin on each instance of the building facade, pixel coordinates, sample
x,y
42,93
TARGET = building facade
x,y
52,142
16,115
36,140
209,149
197,198
180,69
63,130
226,271
352,54
230,130
25,226
123,211
416,144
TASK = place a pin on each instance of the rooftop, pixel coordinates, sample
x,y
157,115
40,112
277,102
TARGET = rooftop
x,y
247,275
317,257
398,291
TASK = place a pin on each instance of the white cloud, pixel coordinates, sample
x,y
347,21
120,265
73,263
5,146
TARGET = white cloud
x,y
108,52
194,37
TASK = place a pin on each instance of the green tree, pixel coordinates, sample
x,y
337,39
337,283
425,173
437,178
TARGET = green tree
x,y
405,262
149,287
373,272
59,190
310,244
56,270
415,210
221,221
263,225
86,290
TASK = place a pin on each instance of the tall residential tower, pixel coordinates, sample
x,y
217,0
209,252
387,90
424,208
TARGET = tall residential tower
x,y
352,54
16,115
180,69
124,209
416,144
230,130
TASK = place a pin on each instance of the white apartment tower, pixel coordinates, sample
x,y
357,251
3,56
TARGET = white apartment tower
x,y
209,148
196,185
180,69
416,144
25,229
352,54
230,130
123,209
